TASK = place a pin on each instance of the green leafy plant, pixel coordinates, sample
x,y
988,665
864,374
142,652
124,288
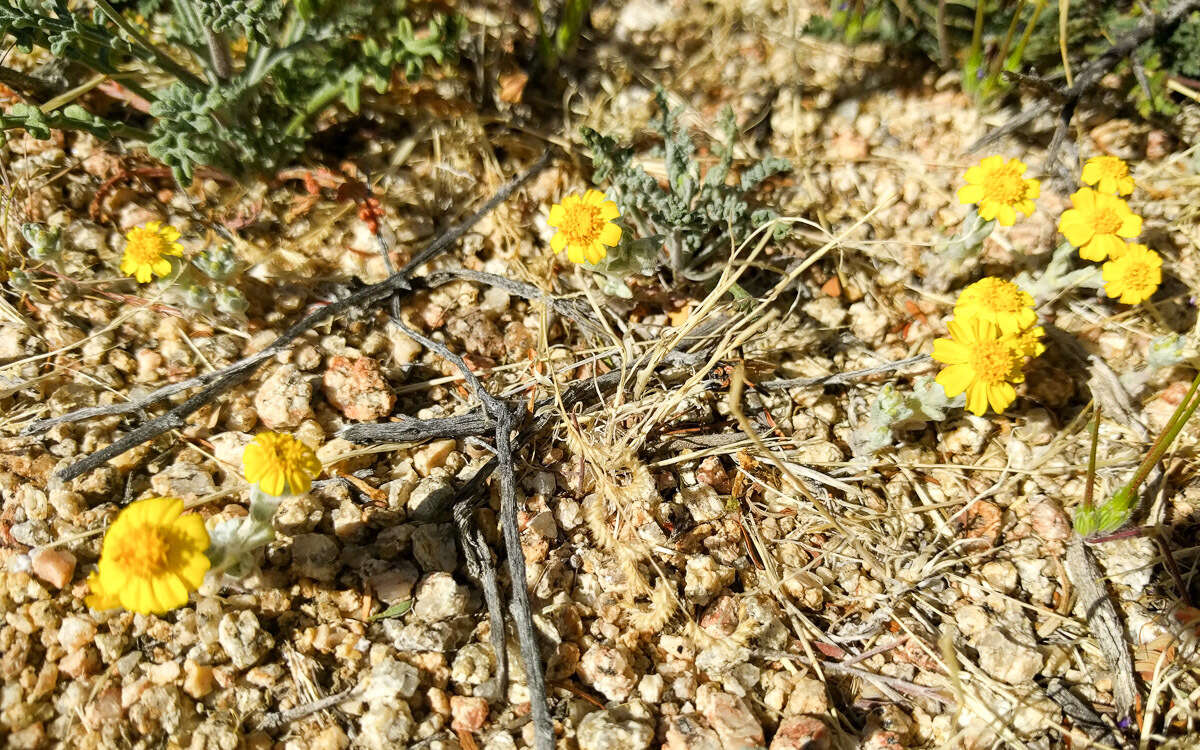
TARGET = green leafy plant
x,y
698,215
1117,510
988,38
893,412
556,43
244,113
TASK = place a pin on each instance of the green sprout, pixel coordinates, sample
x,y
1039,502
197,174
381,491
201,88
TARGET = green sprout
x,y
1092,519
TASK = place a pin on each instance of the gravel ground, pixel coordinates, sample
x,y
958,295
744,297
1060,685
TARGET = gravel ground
x,y
685,593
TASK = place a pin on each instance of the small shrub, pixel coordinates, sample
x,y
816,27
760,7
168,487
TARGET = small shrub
x,y
241,113
697,216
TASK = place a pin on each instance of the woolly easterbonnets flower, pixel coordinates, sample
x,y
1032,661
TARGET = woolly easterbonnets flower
x,y
981,363
585,226
1108,174
151,559
1133,274
147,249
1027,343
280,464
998,188
1098,224
997,301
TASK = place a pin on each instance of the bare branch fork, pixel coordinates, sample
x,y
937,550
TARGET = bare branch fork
x,y
505,422
1088,77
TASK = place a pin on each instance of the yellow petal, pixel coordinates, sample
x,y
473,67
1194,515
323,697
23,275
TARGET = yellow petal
x,y
1026,318
955,379
609,211
191,527
164,510
1101,246
138,597
1084,199
273,481
192,571
595,253
1005,215
575,254
558,242
949,351
299,482
610,235
169,592
1131,226
1075,227
557,214
970,193
1091,173
977,401
1000,396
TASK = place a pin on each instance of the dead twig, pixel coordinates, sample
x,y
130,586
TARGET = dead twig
x,y
577,313
1104,622
843,377
1088,77
520,609
237,373
277,719
833,667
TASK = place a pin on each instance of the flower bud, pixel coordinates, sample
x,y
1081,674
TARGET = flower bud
x,y
231,301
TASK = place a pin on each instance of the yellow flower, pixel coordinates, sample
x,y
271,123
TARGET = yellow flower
x,y
1108,174
997,301
146,251
585,226
1027,343
152,557
981,363
1133,274
999,190
1097,224
280,464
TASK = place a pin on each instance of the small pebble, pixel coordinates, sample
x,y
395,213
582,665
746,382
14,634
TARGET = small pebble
x,y
54,566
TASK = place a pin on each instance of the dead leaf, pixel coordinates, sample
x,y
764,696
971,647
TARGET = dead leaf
x,y
512,86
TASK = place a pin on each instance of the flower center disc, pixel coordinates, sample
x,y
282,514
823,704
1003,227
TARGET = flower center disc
x,y
582,224
1005,187
992,361
1137,276
145,551
1108,221
1001,298
145,246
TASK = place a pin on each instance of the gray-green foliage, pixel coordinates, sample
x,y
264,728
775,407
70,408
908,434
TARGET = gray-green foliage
x,y
208,282
1163,352
992,37
893,411
244,115
45,243
698,216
